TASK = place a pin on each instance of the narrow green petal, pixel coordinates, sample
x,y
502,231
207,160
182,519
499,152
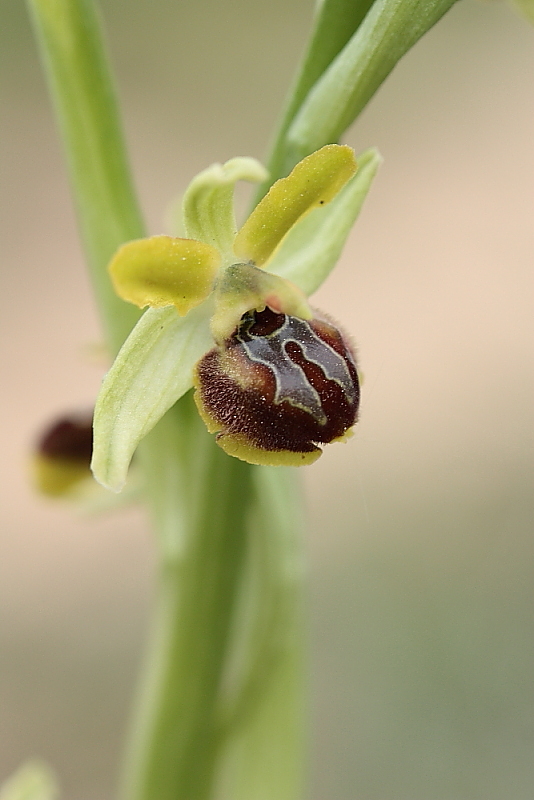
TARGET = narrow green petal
x,y
312,248
313,182
208,204
163,271
34,780
153,369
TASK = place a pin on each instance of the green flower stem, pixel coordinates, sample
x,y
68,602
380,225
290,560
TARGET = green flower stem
x,y
221,700
175,747
269,715
82,91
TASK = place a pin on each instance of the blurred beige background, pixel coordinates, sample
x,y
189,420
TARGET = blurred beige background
x,y
420,539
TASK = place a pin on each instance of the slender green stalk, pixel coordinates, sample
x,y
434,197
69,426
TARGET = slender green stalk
x,y
82,91
222,695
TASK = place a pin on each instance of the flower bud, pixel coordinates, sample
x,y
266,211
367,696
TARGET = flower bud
x,y
64,454
279,387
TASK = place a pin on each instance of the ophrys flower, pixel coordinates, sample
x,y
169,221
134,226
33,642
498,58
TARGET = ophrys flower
x,y
207,293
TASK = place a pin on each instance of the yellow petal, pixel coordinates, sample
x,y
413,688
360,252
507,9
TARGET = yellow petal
x,y
164,271
313,182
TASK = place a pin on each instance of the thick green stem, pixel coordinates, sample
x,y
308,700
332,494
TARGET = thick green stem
x,y
221,700
267,721
175,747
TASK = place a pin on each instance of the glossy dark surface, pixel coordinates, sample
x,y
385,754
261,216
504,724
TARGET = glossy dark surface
x,y
282,382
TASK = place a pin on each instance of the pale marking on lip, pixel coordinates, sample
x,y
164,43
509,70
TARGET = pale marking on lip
x,y
291,383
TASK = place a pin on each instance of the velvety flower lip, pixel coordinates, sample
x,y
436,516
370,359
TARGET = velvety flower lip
x,y
280,387
199,288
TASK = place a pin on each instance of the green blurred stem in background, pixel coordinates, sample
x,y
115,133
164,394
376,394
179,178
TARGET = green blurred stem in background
x,y
220,705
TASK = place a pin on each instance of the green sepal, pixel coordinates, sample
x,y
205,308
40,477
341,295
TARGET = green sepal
x,y
243,287
162,271
34,780
208,204
312,248
389,29
313,182
153,369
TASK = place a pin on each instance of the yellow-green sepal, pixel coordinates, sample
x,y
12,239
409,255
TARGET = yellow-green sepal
x,y
153,369
313,246
162,271
242,288
208,204
313,182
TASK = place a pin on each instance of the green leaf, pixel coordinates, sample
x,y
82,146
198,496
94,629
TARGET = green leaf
x,y
314,181
33,781
389,30
208,204
334,23
162,271
153,369
312,248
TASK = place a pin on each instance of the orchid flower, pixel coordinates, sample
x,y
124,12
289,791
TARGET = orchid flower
x,y
216,317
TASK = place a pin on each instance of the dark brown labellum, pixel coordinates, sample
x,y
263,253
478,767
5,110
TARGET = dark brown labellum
x,y
280,383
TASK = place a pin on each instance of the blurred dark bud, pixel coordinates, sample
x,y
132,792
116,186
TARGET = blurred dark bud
x,y
63,455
